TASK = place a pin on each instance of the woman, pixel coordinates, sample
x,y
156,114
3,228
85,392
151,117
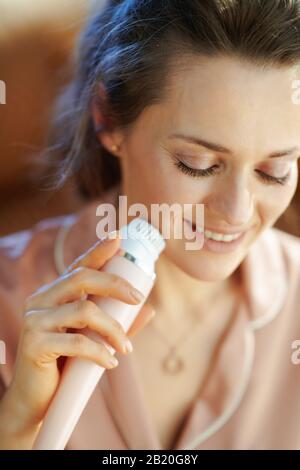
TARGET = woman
x,y
172,102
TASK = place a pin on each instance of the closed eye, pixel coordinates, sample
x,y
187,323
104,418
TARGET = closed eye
x,y
279,180
198,173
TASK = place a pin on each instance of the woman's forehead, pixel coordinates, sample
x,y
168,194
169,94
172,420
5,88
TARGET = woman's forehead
x,y
232,106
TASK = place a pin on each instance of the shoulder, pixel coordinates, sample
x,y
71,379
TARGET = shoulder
x,y
282,274
271,277
26,257
276,250
281,256
290,249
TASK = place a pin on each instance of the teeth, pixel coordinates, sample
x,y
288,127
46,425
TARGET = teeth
x,y
218,236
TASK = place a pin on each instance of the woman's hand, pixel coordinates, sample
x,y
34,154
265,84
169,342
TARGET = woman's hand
x,y
45,342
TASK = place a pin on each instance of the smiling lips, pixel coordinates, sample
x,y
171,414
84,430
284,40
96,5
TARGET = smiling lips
x,y
217,242
216,236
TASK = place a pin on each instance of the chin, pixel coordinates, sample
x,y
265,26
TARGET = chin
x,y
204,268
209,272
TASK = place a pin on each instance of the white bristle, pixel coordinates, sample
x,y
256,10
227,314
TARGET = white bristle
x,y
140,229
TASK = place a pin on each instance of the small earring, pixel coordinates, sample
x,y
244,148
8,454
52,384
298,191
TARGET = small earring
x,y
115,148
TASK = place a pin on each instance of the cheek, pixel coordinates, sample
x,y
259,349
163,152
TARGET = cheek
x,y
181,188
274,202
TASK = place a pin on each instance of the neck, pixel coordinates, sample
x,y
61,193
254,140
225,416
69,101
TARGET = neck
x,y
174,304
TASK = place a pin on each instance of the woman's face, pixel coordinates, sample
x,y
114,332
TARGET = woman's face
x,y
244,165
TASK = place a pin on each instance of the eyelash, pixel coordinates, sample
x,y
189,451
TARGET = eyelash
x,y
197,173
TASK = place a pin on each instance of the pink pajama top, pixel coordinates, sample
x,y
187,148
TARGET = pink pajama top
x,y
251,399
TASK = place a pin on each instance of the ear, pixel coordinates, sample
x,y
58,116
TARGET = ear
x,y
107,136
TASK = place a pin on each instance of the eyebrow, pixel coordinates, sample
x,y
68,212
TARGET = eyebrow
x,y
219,148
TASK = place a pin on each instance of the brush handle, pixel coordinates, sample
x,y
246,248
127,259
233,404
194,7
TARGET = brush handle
x,y
80,376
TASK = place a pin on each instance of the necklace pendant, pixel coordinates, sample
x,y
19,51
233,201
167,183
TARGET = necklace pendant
x,y
172,363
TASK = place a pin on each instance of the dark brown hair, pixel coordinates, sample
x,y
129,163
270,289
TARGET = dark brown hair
x,y
132,46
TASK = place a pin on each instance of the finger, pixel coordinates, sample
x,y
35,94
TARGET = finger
x,y
146,314
79,315
80,283
47,347
96,256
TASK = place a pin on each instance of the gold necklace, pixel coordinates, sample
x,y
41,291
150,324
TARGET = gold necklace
x,y
173,363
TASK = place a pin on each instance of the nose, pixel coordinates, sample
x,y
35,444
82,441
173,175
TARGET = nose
x,y
232,203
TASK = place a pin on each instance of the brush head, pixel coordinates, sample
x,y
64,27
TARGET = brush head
x,y
146,234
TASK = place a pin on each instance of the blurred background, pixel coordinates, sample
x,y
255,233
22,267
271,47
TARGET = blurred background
x,y
37,40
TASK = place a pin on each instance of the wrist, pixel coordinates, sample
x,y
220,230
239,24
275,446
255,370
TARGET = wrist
x,y
15,418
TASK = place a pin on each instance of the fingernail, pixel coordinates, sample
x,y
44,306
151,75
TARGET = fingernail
x,y
137,295
113,361
153,314
128,346
112,235
104,240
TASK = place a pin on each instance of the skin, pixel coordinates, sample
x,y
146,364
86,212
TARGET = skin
x,y
221,100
